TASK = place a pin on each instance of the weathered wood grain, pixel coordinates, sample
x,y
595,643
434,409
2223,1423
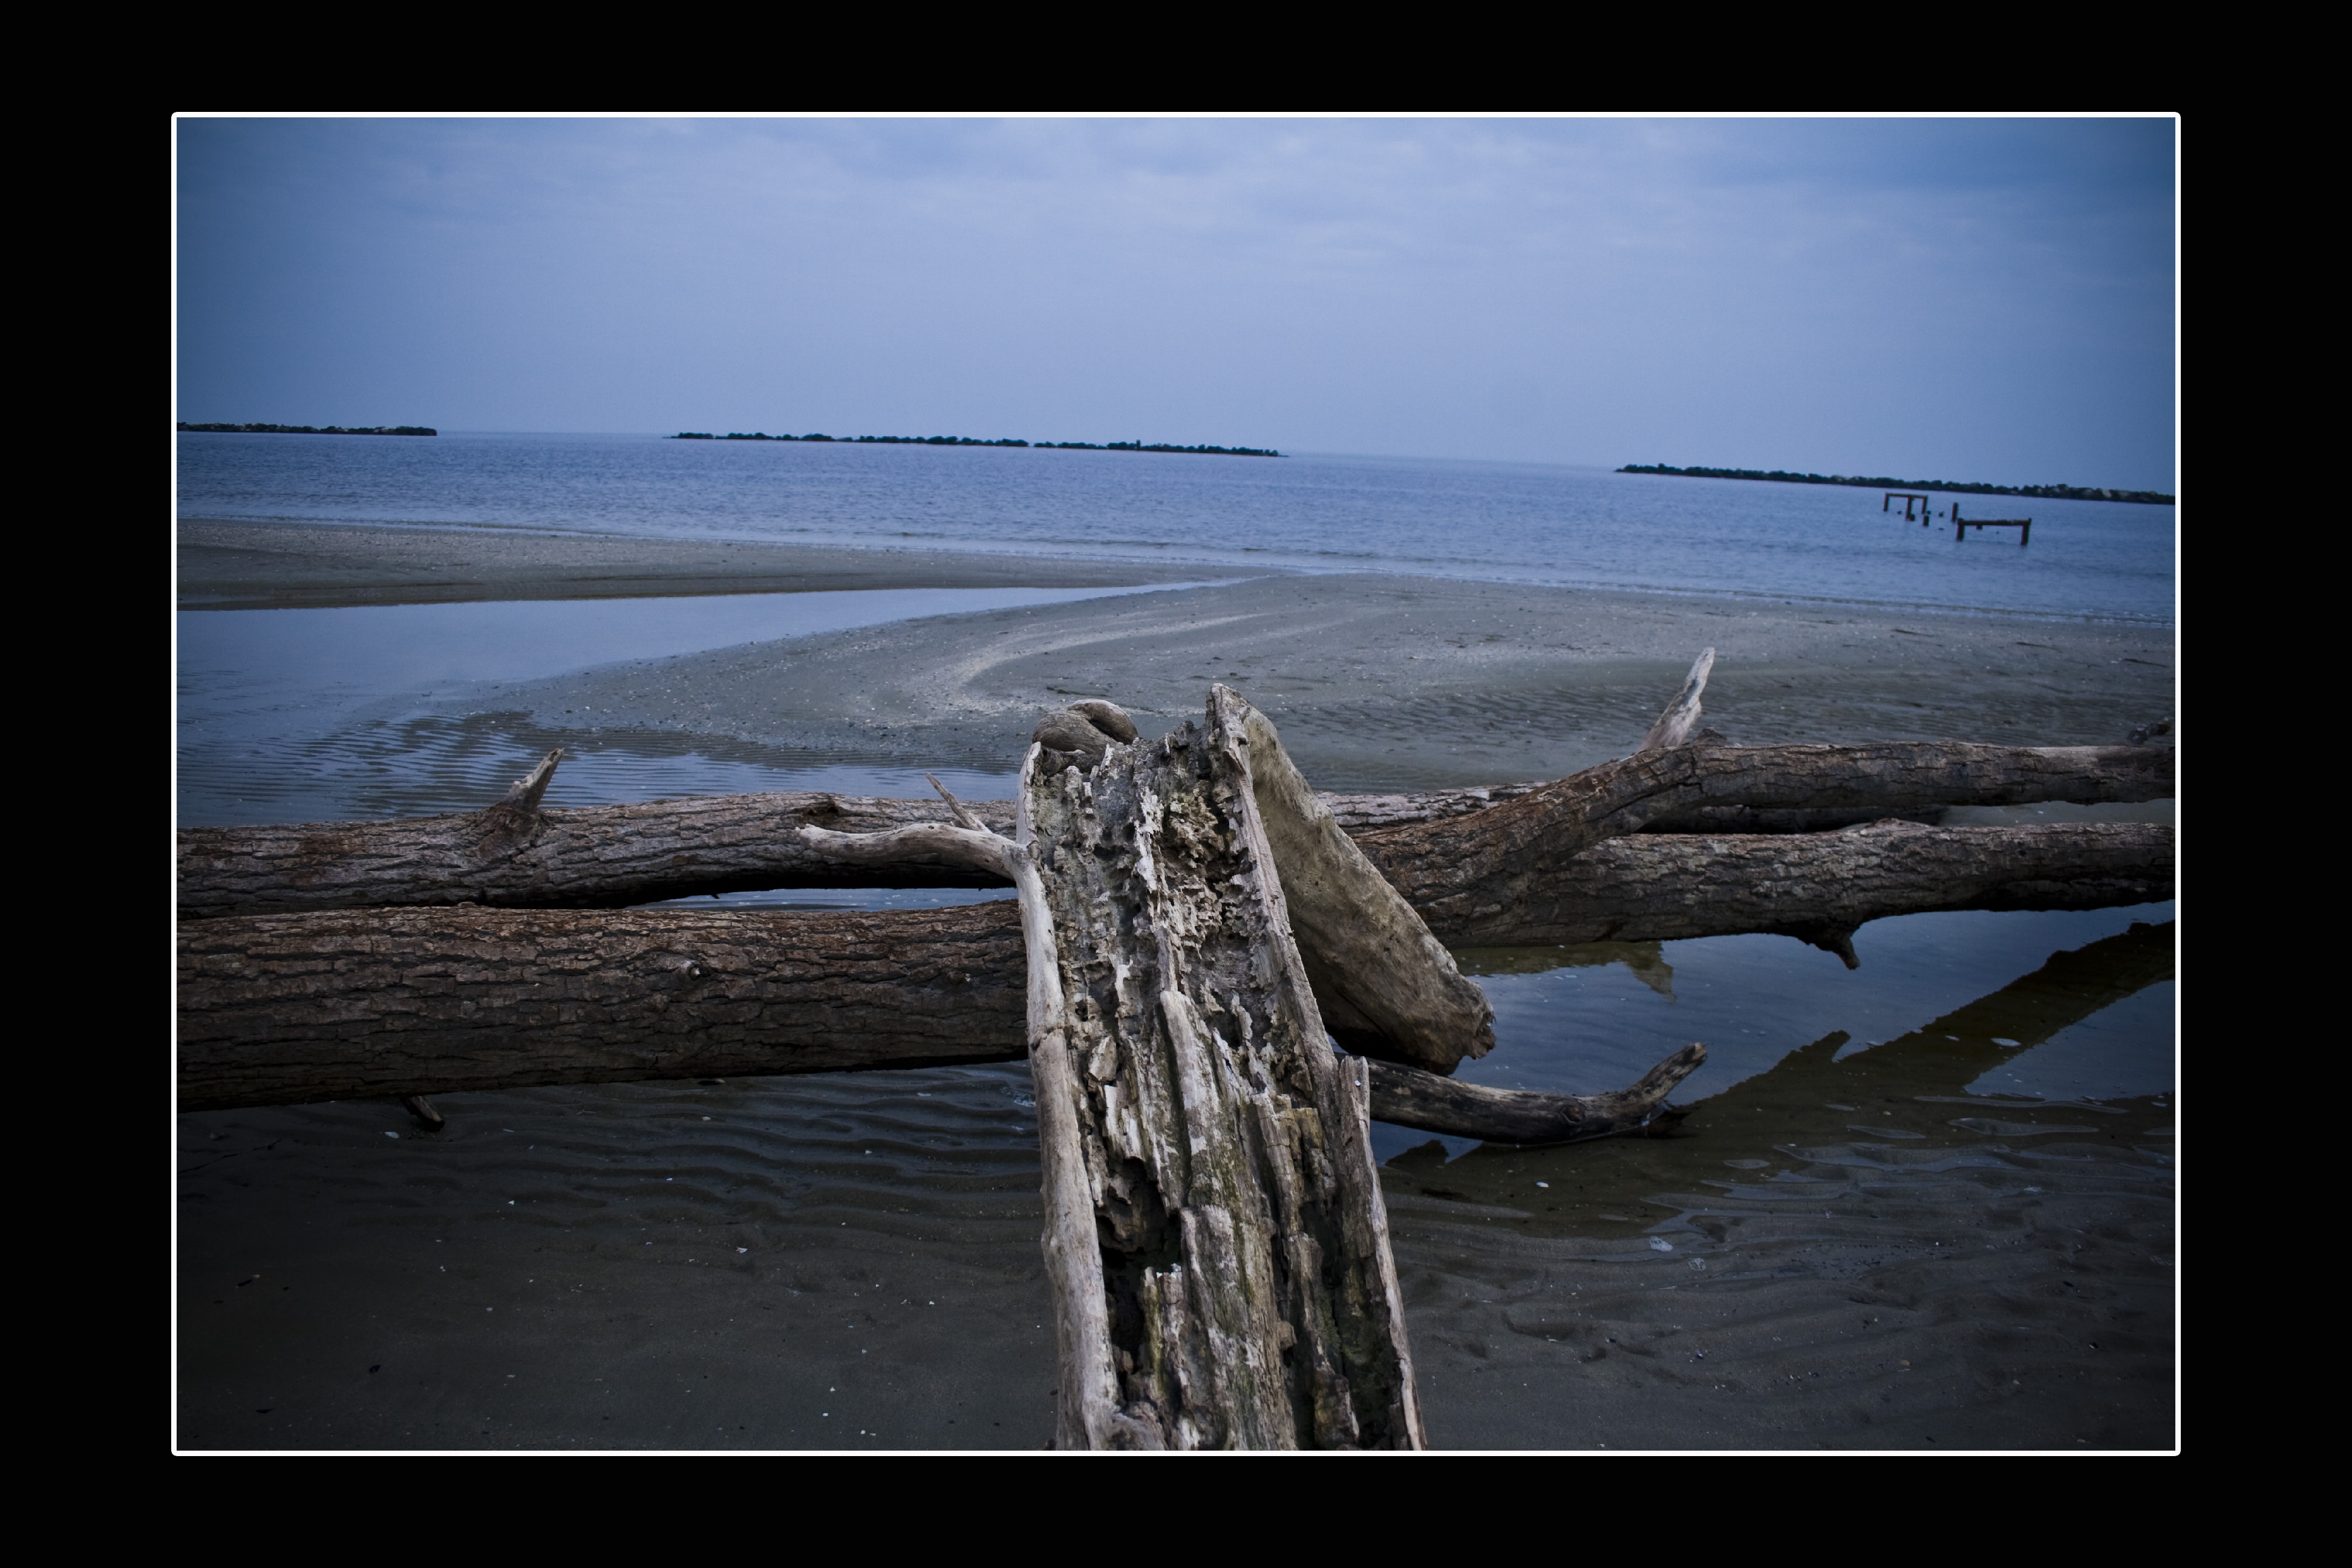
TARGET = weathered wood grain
x,y
1386,986
280,1009
1250,1293
275,1009
610,856
1502,865
1816,886
1674,724
1411,1098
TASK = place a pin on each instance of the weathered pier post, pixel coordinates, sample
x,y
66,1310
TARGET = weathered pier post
x,y
2024,525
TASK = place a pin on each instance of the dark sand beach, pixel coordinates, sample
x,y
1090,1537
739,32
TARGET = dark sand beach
x,y
1855,1253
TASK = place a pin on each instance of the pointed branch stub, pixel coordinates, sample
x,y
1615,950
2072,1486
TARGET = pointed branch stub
x,y
525,792
1674,724
956,808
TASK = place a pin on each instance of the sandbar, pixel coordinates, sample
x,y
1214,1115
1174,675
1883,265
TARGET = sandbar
x,y
1388,682
230,565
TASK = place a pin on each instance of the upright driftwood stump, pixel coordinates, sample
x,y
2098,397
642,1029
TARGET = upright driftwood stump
x,y
1214,1226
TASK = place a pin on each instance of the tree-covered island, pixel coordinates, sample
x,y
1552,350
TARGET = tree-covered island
x,y
1781,476
312,429
975,441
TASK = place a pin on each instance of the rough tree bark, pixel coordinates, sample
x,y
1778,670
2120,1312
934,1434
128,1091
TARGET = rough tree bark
x,y
278,1009
600,857
1198,1129
609,857
1411,1098
1459,871
282,1009
1817,887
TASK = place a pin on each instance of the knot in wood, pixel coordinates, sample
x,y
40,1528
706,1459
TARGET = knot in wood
x,y
1073,735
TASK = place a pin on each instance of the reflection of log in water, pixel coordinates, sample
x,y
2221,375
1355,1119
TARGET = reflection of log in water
x,y
1908,1088
1944,1056
1646,960
1937,1061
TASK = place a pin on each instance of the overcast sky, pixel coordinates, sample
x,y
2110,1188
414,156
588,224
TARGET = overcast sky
x,y
1963,300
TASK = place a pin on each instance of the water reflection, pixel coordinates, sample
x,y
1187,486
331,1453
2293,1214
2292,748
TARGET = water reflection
x,y
1909,1088
1646,960
1846,1249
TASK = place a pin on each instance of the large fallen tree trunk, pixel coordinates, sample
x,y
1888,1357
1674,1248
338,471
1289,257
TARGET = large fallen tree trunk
x,y
1216,1238
289,1009
278,1009
1818,888
518,854
282,1009
1513,856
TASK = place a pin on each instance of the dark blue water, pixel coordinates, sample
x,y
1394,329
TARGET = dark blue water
x,y
1506,522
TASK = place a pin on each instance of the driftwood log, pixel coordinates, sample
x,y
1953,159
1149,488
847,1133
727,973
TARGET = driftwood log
x,y
276,1010
288,1009
283,1008
1817,887
1492,870
1386,985
1216,1235
609,857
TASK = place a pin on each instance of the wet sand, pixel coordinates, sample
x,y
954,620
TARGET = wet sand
x,y
852,1262
286,565
1382,682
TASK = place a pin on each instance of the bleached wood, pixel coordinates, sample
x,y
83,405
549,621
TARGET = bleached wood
x,y
1238,1213
1216,1238
1386,986
1675,722
526,790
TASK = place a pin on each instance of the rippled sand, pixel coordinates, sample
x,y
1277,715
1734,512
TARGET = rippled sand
x,y
828,1262
1396,683
852,1262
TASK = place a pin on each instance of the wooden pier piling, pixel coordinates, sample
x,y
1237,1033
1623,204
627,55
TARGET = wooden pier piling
x,y
2024,525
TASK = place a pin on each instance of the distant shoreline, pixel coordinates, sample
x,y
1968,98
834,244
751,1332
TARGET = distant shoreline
x,y
1781,476
310,429
975,441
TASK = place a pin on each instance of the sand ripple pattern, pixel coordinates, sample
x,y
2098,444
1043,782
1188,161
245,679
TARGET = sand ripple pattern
x,y
836,1261
1944,1290
420,766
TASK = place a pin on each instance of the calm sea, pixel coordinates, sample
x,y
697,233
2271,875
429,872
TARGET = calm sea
x,y
1509,522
